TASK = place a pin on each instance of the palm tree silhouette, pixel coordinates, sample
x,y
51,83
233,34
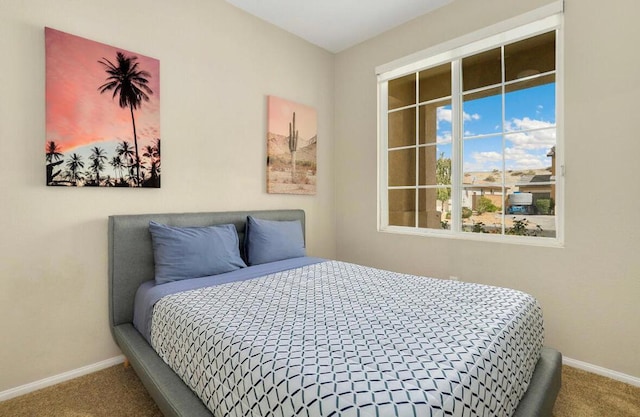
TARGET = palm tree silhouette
x,y
53,152
130,85
74,177
74,164
152,153
124,150
156,154
98,158
53,157
109,182
116,163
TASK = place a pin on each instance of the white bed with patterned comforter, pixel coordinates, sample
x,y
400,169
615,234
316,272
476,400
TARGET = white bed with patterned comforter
x,y
329,338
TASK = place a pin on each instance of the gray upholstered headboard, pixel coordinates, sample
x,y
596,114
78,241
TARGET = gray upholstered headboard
x,y
131,254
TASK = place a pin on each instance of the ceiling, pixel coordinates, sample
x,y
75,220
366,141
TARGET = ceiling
x,y
336,25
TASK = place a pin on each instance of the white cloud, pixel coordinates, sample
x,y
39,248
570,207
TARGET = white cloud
x,y
519,158
528,149
527,142
444,137
483,161
484,157
526,124
532,140
445,115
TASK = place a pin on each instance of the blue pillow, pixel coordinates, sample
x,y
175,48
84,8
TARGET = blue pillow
x,y
269,240
193,252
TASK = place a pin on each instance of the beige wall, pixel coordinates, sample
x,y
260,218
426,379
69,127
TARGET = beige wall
x,y
218,64
590,290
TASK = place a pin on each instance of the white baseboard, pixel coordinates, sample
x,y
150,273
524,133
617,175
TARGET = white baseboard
x,y
598,370
56,379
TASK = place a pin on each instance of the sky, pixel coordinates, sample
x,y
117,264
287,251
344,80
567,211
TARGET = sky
x,y
526,109
78,117
280,114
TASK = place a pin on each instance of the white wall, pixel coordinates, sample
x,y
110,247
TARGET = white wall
x,y
589,290
218,64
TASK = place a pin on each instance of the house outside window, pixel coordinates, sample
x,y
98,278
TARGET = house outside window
x,y
470,136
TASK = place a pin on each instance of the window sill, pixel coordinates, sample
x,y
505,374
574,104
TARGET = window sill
x,y
549,242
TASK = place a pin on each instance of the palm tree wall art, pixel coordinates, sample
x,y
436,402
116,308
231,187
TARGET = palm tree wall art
x,y
102,114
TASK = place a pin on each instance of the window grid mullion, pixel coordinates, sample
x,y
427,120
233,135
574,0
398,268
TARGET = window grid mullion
x,y
506,132
504,139
505,82
456,151
417,140
383,169
559,116
423,103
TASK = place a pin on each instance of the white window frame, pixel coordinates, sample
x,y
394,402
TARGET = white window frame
x,y
538,21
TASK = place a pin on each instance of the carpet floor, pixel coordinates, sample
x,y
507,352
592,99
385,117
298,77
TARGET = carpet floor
x,y
117,392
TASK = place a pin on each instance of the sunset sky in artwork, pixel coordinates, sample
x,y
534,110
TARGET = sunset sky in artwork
x,y
281,113
77,115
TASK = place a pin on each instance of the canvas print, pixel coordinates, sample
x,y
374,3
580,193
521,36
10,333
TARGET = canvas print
x,y
102,115
291,147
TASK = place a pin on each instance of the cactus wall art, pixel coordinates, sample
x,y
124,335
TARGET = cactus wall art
x,y
291,147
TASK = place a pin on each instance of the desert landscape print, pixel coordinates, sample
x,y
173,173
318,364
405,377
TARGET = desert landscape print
x,y
102,114
292,136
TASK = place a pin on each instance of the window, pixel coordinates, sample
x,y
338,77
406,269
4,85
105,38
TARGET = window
x,y
469,138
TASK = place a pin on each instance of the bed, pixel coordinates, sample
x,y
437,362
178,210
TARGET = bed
x,y
131,264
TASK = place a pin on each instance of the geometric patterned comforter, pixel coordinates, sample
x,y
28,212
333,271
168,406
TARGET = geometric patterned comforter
x,y
338,339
